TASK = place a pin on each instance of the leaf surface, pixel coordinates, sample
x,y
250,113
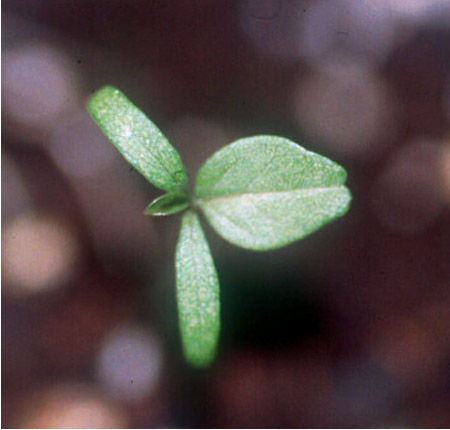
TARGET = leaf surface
x,y
197,293
167,204
265,192
139,140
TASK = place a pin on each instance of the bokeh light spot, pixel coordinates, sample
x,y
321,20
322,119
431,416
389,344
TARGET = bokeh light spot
x,y
407,195
345,107
39,254
38,85
129,364
358,29
69,406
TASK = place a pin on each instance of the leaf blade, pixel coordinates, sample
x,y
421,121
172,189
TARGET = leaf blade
x,y
265,192
265,163
138,139
252,221
168,204
197,293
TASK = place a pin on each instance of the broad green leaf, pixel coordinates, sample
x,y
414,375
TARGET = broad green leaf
x,y
265,192
138,139
266,221
197,293
168,204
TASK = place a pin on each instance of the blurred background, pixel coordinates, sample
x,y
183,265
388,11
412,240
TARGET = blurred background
x,y
347,328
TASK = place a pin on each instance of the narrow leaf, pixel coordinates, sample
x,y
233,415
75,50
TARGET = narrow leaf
x,y
197,293
265,192
168,204
138,139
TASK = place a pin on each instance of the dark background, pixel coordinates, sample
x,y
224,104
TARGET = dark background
x,y
347,328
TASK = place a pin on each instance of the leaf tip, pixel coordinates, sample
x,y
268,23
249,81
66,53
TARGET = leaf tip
x,y
346,201
100,97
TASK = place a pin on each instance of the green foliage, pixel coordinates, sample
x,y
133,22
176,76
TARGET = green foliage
x,y
138,139
259,193
265,192
197,292
168,204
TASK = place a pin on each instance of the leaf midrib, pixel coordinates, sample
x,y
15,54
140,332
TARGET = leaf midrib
x,y
231,196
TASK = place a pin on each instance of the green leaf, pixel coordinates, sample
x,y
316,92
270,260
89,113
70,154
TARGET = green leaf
x,y
265,192
197,293
138,139
168,204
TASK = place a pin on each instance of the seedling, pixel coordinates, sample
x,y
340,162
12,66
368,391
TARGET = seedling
x,y
258,193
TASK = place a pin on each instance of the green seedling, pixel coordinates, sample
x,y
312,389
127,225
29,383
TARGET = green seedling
x,y
259,193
